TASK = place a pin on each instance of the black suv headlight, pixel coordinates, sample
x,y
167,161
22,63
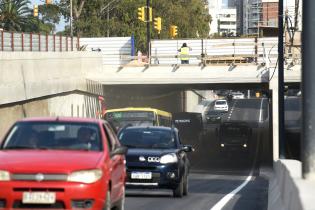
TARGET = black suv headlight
x,y
169,158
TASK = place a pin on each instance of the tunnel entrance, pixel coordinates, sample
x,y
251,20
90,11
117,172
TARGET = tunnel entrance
x,y
231,142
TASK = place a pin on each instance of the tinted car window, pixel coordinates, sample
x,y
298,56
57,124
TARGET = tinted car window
x,y
54,135
144,138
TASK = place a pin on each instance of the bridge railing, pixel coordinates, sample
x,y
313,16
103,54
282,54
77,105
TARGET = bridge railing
x,y
215,52
13,41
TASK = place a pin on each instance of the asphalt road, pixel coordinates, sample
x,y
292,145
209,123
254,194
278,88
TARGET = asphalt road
x,y
216,174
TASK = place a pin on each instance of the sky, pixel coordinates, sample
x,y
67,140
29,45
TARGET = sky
x,y
62,23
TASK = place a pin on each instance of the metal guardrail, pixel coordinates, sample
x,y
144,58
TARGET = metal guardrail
x,y
13,41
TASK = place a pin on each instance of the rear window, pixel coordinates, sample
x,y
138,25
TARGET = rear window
x,y
54,135
220,102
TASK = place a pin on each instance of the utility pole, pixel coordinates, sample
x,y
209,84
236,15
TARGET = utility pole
x,y
148,29
71,17
308,90
281,81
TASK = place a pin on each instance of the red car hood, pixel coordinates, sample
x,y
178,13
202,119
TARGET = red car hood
x,y
49,161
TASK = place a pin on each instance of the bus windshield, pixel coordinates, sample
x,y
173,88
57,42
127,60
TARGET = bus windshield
x,y
133,118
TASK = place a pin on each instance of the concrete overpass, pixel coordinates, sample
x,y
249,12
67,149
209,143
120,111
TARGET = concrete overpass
x,y
213,76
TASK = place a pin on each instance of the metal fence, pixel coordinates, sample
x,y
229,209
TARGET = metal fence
x,y
166,51
112,48
12,41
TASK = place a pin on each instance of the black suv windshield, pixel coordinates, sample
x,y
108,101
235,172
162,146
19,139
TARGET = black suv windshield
x,y
147,138
53,135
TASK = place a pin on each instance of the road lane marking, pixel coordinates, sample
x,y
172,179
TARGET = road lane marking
x,y
231,111
228,197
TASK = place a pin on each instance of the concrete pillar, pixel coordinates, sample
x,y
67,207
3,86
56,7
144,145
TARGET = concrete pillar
x,y
192,99
273,85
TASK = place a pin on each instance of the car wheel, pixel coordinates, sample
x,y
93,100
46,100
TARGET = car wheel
x,y
121,202
107,205
186,184
179,190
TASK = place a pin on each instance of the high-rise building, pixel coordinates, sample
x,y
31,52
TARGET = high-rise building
x,y
256,15
239,16
227,22
214,7
223,17
269,13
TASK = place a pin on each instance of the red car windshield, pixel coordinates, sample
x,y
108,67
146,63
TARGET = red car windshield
x,y
54,135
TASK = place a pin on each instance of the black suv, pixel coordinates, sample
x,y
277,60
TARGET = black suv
x,y
156,159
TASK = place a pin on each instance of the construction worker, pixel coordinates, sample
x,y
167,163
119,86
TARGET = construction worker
x,y
184,53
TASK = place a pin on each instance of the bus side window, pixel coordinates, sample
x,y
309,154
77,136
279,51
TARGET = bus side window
x,y
165,121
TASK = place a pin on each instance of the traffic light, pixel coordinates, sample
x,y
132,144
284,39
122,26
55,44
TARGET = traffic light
x,y
141,13
158,24
35,11
48,1
173,31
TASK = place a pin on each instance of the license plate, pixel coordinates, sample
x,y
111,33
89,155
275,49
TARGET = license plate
x,y
39,197
141,175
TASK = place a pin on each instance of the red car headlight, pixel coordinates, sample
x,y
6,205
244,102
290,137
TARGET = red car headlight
x,y
86,176
4,176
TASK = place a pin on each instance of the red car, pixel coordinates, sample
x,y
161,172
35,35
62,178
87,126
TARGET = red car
x,y
62,163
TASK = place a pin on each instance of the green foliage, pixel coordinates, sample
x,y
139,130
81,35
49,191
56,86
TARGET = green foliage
x,y
190,16
14,14
91,18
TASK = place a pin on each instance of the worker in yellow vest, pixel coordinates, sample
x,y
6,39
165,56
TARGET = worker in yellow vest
x,y
184,53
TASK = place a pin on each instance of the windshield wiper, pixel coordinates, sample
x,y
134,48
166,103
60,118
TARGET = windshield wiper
x,y
130,146
19,147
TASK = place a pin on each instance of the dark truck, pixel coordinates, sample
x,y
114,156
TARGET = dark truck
x,y
189,124
234,136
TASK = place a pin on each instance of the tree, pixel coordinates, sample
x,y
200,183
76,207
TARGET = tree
x,y
14,14
191,17
77,8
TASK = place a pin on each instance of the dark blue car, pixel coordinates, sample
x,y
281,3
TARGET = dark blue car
x,y
156,159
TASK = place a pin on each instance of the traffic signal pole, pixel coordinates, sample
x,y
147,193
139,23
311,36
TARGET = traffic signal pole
x,y
308,90
148,29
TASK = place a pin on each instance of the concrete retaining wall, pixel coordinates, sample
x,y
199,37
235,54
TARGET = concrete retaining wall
x,y
287,189
48,84
28,75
